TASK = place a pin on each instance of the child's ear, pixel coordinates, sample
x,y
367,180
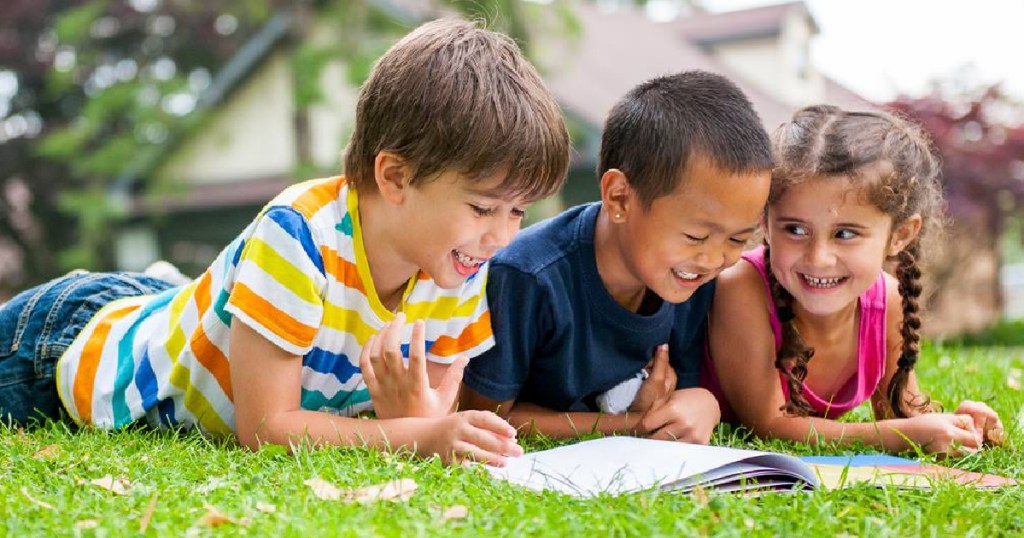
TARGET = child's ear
x,y
615,194
904,233
392,174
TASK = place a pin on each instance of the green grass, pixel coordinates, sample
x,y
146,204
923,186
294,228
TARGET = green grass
x,y
180,474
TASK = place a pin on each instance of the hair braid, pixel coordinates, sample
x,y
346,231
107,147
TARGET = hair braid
x,y
794,353
908,273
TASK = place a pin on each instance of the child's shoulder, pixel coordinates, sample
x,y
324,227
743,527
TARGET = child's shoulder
x,y
742,283
545,243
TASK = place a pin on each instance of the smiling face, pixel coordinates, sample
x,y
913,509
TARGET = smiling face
x,y
453,225
685,239
828,243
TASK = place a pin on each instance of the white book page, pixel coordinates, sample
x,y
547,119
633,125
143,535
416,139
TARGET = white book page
x,y
624,464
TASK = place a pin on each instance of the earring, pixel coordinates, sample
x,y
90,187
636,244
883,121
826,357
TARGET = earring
x,y
618,216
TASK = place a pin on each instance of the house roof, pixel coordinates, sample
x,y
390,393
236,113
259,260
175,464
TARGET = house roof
x,y
619,49
615,51
705,28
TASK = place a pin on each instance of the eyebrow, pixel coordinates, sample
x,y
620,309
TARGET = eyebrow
x,y
718,228
857,225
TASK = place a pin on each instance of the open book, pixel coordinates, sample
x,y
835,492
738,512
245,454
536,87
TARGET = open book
x,y
617,465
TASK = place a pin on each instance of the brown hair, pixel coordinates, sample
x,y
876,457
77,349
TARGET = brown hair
x,y
451,95
892,162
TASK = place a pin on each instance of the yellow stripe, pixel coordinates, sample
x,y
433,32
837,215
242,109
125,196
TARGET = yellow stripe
x,y
286,274
196,403
442,308
347,321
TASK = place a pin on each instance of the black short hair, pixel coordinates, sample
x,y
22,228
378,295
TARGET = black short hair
x,y
654,132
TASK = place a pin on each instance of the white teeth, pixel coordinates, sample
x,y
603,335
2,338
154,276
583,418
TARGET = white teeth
x,y
822,282
685,276
467,260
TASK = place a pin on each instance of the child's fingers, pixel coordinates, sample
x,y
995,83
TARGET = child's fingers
x,y
392,336
417,354
486,420
369,376
376,345
448,389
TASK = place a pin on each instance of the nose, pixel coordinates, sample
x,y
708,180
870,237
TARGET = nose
x,y
711,258
500,231
819,254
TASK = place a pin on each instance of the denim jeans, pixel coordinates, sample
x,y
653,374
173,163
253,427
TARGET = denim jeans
x,y
39,324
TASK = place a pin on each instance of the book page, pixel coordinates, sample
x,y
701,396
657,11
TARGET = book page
x,y
618,465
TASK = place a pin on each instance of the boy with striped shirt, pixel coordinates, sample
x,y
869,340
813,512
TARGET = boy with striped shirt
x,y
300,323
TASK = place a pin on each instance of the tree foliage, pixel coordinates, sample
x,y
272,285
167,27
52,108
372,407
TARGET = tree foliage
x,y
89,88
981,141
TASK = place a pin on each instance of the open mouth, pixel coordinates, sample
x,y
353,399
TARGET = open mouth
x,y
822,283
683,275
466,264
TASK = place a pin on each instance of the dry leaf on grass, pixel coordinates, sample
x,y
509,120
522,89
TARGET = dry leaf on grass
x,y
36,501
148,514
120,486
47,452
1013,378
265,507
395,490
454,512
323,489
216,518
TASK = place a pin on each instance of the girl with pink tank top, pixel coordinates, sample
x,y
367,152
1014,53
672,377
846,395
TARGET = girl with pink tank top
x,y
810,326
870,353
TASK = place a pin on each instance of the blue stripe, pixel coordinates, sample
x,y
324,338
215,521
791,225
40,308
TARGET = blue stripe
x,y
236,256
326,362
292,222
166,410
126,360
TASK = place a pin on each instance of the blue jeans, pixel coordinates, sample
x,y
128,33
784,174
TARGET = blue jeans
x,y
39,324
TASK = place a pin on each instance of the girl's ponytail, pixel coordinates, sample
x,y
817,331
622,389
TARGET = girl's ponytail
x,y
794,352
908,273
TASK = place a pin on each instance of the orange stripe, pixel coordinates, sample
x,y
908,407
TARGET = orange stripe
x,y
309,202
213,360
471,336
268,315
202,294
89,362
342,270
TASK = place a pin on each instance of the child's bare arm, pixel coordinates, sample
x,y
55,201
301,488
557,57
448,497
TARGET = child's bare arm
x,y
266,383
531,418
743,349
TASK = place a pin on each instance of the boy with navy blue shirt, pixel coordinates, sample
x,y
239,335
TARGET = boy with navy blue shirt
x,y
582,302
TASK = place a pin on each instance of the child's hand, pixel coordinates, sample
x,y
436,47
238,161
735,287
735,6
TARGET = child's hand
x,y
398,390
688,415
943,433
472,436
659,385
986,422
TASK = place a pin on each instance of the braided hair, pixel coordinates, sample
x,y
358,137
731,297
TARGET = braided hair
x,y
892,162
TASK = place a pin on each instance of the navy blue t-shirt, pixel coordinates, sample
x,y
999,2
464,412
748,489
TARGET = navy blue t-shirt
x,y
561,339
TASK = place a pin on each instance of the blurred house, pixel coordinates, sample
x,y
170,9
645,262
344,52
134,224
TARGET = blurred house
x,y
251,146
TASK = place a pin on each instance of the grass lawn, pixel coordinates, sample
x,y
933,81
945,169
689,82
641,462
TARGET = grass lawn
x,y
184,484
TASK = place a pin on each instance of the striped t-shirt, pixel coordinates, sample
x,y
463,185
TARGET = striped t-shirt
x,y
298,276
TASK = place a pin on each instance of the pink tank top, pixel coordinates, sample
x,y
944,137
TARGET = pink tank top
x,y
871,352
